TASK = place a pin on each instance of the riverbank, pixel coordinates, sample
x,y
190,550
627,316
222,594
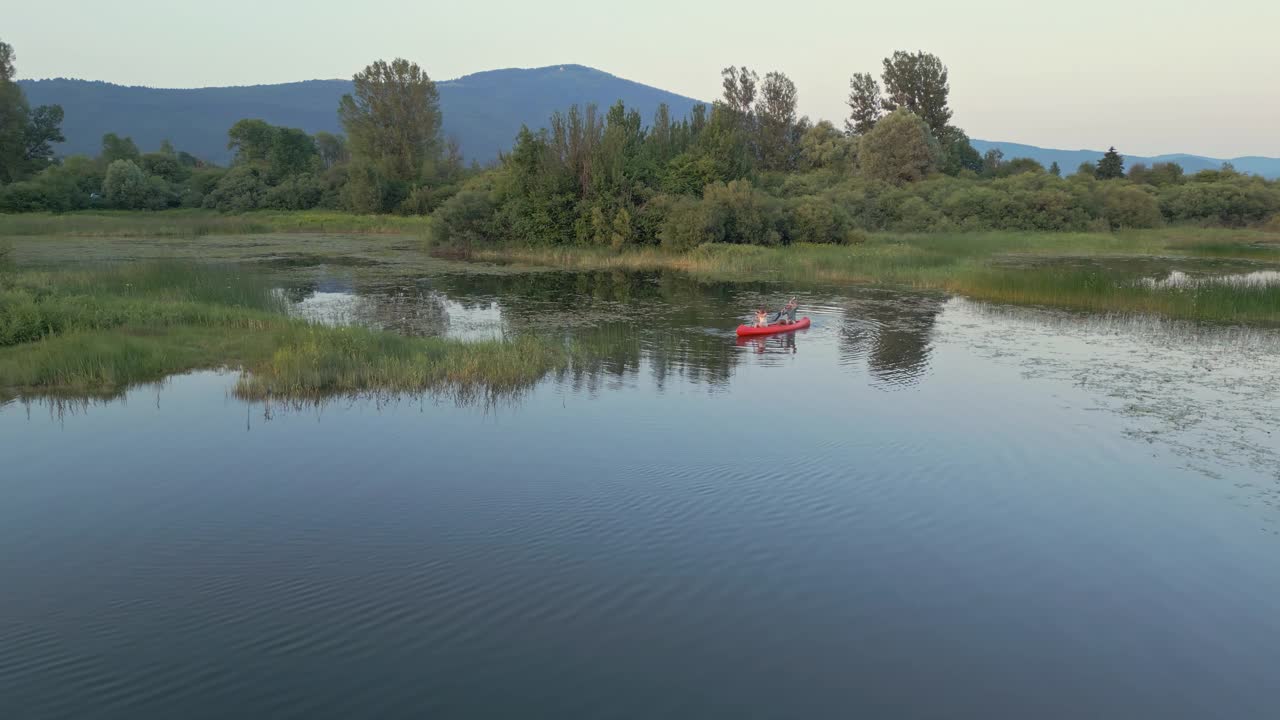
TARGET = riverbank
x,y
1107,272
98,332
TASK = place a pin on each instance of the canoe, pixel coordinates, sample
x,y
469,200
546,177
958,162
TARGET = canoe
x,y
746,330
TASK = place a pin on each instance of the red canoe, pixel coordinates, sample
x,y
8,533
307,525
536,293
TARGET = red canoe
x,y
745,330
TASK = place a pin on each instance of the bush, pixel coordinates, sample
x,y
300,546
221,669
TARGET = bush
x,y
899,149
738,213
1232,201
464,219
300,192
686,225
240,189
1126,206
815,219
916,215
26,196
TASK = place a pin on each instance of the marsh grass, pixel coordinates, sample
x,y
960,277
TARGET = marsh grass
x,y
1098,291
198,223
1001,267
100,332
317,361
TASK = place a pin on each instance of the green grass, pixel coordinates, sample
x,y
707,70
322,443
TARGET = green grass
x,y
197,223
1024,268
1099,291
99,332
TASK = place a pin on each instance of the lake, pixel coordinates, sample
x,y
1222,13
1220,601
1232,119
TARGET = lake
x,y
921,507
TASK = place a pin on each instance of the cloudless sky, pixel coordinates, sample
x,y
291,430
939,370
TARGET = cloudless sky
x,y
1149,77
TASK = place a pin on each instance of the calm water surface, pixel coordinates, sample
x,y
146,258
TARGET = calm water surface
x,y
919,508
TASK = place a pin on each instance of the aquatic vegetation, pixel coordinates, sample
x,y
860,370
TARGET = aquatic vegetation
x,y
1024,268
101,331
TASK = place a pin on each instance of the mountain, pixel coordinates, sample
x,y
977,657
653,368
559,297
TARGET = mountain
x,y
483,111
1069,160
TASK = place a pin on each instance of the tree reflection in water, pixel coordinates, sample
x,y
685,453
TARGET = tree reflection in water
x,y
892,333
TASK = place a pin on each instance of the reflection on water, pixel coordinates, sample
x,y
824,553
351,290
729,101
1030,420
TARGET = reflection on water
x,y
664,321
891,333
753,528
1179,280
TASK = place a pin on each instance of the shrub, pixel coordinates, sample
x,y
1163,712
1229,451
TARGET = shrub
x,y
1232,202
899,149
125,185
240,189
26,196
300,192
464,219
685,226
738,213
1126,206
815,219
916,215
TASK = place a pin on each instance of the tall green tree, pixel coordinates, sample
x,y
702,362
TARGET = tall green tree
x,y
1054,170
918,82
125,185
6,62
823,147
251,139
776,122
292,152
739,86
115,148
13,119
26,136
957,153
899,149
1111,165
864,104
393,119
332,149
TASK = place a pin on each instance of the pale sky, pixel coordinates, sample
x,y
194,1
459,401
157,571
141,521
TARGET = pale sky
x,y
1148,77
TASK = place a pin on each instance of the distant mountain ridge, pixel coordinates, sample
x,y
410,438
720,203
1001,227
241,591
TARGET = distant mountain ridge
x,y
1069,160
483,111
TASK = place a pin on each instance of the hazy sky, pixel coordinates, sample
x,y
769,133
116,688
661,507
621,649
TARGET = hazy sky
x,y
1149,77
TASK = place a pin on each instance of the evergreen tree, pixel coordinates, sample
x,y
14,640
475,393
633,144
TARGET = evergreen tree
x,y
1054,170
1111,165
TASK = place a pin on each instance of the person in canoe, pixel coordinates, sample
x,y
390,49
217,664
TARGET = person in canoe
x,y
785,316
762,317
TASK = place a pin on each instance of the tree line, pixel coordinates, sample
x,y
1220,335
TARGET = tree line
x,y
748,169
391,158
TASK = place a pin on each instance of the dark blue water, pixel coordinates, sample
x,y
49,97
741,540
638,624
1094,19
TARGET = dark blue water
x,y
919,508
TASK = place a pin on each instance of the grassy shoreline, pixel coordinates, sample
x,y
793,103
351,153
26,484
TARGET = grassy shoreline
x,y
198,223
